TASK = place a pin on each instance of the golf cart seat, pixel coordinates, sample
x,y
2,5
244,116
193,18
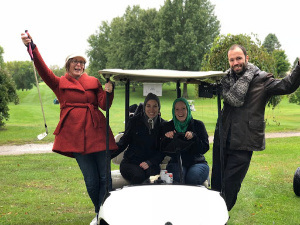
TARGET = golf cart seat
x,y
118,181
117,160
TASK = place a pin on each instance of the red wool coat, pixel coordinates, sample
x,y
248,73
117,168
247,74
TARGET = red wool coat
x,y
82,126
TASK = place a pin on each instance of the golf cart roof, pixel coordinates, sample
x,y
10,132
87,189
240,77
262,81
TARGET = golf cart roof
x,y
160,75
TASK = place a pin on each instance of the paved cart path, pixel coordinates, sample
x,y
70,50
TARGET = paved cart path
x,y
47,148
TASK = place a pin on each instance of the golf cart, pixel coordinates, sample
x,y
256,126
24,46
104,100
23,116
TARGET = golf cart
x,y
156,202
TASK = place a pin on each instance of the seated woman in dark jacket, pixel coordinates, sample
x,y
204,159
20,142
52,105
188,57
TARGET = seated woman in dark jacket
x,y
194,143
142,140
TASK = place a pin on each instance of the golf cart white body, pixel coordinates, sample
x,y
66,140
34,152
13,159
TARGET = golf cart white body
x,y
155,204
166,204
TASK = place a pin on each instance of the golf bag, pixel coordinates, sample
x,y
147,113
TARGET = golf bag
x,y
296,183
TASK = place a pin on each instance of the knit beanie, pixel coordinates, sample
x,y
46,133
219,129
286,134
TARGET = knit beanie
x,y
151,96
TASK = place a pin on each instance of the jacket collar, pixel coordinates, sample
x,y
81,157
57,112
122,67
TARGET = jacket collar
x,y
83,83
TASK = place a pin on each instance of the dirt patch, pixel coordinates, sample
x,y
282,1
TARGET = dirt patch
x,y
47,148
268,135
25,149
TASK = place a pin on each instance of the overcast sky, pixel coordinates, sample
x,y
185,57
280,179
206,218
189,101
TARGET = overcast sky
x,y
60,27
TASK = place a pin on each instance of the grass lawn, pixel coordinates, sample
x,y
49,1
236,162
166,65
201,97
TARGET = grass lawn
x,y
43,189
267,195
49,188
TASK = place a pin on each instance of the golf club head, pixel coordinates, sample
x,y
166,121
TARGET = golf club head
x,y
42,136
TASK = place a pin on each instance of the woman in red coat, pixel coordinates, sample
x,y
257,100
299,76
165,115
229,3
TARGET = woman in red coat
x,y
81,131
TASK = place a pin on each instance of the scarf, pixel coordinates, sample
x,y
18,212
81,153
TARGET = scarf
x,y
150,123
235,87
182,126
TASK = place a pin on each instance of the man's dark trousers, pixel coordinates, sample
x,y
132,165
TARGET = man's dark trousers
x,y
236,164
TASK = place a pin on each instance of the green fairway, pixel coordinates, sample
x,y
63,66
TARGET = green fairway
x,y
26,119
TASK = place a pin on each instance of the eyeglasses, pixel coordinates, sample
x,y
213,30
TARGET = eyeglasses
x,y
82,63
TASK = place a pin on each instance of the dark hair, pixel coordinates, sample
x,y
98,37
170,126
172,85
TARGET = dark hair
x,y
238,46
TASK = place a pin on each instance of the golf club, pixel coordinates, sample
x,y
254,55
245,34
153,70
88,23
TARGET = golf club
x,y
43,135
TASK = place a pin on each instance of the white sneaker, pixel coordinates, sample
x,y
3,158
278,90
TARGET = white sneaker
x,y
94,221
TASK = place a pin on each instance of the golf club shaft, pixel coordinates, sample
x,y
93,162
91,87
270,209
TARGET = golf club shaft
x,y
38,88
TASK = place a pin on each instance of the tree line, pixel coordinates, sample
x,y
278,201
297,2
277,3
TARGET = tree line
x,y
181,35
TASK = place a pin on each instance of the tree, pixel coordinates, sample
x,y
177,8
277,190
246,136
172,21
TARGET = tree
x,y
22,73
7,94
125,42
187,29
282,64
1,57
57,70
99,45
217,59
295,62
175,37
272,46
295,97
271,43
7,91
129,39
4,98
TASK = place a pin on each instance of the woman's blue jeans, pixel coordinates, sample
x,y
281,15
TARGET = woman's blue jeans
x,y
93,168
195,174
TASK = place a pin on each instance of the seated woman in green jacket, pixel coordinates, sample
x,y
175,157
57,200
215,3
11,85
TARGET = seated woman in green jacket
x,y
192,146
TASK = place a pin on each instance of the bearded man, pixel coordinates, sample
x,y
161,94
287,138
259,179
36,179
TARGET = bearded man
x,y
246,91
